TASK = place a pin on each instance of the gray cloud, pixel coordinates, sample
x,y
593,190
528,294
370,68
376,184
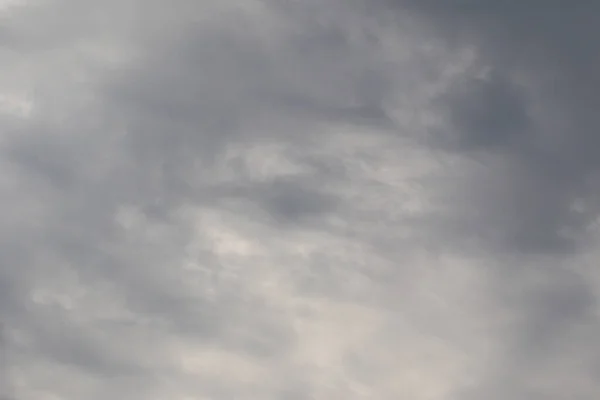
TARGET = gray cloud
x,y
527,119
533,106
320,199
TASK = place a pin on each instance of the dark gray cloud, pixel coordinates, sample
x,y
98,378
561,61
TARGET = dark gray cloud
x,y
532,103
277,199
527,119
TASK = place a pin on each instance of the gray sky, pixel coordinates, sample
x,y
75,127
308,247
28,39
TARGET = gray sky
x,y
317,199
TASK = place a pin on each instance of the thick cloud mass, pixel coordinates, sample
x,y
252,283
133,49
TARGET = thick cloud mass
x,y
321,199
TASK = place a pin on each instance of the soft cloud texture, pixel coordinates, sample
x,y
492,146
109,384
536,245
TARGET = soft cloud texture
x,y
298,200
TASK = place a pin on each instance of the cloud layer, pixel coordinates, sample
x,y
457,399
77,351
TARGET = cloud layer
x,y
299,200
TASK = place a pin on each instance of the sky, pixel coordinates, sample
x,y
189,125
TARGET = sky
x,y
299,200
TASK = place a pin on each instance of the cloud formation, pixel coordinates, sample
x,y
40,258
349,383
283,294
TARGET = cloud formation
x,y
298,200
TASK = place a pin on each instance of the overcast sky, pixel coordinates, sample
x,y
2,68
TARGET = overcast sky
x,y
299,200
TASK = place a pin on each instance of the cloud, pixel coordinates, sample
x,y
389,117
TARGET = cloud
x,y
529,100
300,200
523,114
